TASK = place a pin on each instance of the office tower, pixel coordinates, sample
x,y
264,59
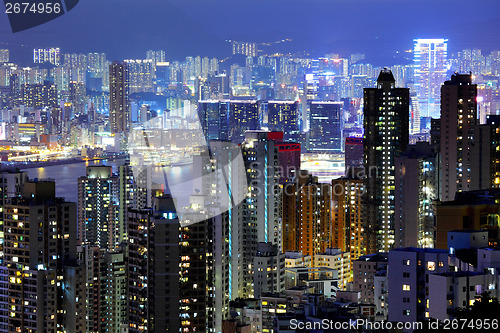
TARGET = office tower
x,y
283,116
4,55
353,157
430,73
325,127
97,208
269,270
408,283
144,113
40,243
119,104
458,119
243,116
50,55
264,201
386,111
228,119
141,75
213,120
347,223
416,183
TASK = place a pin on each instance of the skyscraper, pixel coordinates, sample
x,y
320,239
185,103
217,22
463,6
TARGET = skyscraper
x,y
51,55
228,119
4,55
141,74
97,208
347,226
283,116
325,127
353,154
119,104
386,134
458,119
416,189
430,73
264,201
33,297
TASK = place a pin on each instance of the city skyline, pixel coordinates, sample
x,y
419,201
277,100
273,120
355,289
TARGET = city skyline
x,y
250,167
192,37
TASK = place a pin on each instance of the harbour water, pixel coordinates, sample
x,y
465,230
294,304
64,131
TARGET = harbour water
x,y
66,175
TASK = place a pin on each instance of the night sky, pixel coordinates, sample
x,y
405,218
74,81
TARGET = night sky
x,y
127,28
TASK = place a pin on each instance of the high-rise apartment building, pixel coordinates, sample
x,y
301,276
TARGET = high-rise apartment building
x,y
430,73
314,215
39,96
4,55
269,270
172,277
365,268
264,201
51,55
97,208
141,75
458,120
248,49
386,135
221,186
119,104
307,215
486,154
416,184
156,56
408,281
39,244
326,127
347,224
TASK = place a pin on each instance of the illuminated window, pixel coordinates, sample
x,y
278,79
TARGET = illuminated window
x,y
431,266
406,287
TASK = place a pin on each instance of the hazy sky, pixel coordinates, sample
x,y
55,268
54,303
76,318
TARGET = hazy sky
x,y
126,28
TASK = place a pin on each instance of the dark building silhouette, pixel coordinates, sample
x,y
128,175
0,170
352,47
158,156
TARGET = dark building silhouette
x,y
119,104
458,120
386,134
325,127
